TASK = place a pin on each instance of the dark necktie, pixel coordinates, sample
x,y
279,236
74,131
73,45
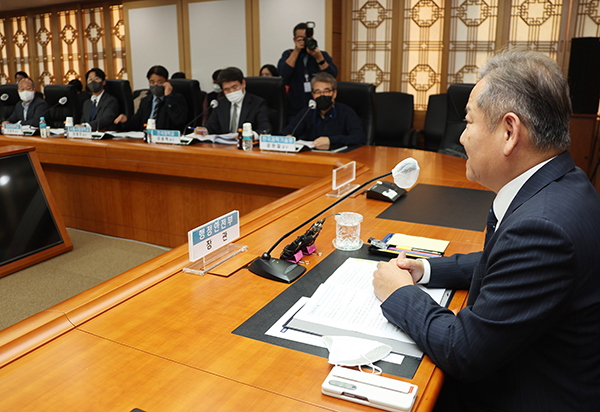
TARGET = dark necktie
x,y
155,112
491,226
233,125
93,113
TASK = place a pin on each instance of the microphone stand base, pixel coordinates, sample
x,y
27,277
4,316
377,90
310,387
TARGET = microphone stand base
x,y
276,269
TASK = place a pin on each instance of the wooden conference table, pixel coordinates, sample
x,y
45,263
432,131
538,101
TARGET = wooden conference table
x,y
159,339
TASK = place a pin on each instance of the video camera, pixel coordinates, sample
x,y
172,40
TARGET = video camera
x,y
309,42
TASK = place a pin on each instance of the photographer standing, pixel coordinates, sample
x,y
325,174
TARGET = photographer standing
x,y
299,65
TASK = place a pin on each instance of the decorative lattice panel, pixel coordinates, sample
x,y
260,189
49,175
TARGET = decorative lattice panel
x,y
119,57
535,25
473,26
93,38
43,49
4,62
372,43
422,49
20,43
588,19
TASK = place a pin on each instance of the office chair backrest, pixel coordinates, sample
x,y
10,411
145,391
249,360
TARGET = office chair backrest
x,y
435,121
458,96
361,97
121,90
272,89
395,113
190,89
9,97
56,116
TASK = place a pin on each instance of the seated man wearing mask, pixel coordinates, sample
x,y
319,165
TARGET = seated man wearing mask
x,y
29,110
101,109
237,107
168,108
332,125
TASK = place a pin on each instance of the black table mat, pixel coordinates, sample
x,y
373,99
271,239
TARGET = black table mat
x,y
453,207
256,326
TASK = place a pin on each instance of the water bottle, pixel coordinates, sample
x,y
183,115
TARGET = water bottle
x,y
43,128
247,136
151,125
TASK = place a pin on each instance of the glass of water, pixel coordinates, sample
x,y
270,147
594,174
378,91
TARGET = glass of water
x,y
348,231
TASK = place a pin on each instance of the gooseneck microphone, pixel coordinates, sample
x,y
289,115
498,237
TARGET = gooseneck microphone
x,y
62,101
405,175
311,106
213,105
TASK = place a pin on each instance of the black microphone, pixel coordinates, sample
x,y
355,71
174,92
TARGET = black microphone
x,y
62,101
311,106
405,175
213,105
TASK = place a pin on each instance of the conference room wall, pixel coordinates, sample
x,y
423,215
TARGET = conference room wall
x,y
198,37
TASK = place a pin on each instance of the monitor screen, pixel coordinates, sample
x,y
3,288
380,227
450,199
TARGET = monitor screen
x,y
26,223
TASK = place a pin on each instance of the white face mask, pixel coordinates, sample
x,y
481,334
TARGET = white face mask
x,y
217,88
26,95
351,351
235,97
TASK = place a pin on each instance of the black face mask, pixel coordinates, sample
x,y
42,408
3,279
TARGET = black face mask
x,y
158,91
324,102
94,87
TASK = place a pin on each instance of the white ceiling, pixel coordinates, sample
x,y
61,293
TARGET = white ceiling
x,y
6,5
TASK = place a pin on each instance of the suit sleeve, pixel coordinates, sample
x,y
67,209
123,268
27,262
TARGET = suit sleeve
x,y
525,283
34,113
177,109
108,111
353,133
212,125
14,117
292,124
284,69
262,117
331,68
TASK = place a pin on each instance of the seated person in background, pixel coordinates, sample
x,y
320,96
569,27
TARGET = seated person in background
x,y
268,70
214,95
237,107
20,75
331,125
168,108
29,110
101,109
81,95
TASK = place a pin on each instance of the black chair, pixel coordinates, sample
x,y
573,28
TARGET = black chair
x,y
457,98
272,89
57,114
190,89
9,97
395,114
435,121
121,90
361,97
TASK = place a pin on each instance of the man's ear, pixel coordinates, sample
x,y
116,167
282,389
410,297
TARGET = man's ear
x,y
513,132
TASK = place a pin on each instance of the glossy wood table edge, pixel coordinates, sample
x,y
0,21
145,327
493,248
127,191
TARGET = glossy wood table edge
x,y
288,170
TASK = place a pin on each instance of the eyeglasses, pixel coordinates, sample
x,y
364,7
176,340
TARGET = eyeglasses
x,y
325,92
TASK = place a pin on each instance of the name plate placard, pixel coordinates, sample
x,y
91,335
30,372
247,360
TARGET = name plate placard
x,y
165,136
79,132
278,143
213,235
12,129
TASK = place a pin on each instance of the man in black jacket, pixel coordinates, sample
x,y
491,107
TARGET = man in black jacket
x,y
168,108
31,107
101,109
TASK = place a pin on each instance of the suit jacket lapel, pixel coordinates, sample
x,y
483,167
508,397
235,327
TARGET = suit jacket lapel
x,y
550,172
246,106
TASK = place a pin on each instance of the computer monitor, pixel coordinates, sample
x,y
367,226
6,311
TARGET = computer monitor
x,y
31,229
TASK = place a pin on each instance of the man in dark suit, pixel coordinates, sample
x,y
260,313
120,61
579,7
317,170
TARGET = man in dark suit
x,y
167,107
236,107
101,109
31,107
529,336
